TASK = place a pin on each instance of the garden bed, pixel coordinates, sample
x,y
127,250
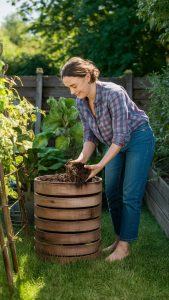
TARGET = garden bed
x,y
157,199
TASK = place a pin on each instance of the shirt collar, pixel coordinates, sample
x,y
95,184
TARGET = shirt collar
x,y
98,97
98,92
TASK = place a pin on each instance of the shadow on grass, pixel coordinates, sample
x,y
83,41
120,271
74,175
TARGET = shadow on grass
x,y
143,275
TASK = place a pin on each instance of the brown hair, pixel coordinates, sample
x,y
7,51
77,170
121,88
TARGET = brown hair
x,y
78,67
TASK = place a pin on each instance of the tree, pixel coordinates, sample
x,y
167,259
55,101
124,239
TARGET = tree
x,y
107,36
16,30
156,13
23,50
105,31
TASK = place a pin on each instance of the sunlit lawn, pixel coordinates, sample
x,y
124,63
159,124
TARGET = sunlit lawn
x,y
143,275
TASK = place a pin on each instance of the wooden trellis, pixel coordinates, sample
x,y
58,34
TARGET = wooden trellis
x,y
7,236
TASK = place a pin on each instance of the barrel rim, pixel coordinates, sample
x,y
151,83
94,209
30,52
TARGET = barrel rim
x,y
38,180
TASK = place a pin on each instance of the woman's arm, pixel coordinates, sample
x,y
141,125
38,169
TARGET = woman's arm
x,y
110,154
90,141
88,149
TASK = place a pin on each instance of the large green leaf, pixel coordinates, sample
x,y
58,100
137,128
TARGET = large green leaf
x,y
48,160
41,140
50,152
42,168
70,102
53,104
62,104
73,114
76,132
54,118
51,122
62,142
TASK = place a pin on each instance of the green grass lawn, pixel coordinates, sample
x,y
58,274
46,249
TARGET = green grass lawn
x,y
143,275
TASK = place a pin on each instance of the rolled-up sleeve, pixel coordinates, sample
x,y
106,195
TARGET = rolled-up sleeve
x,y
120,116
88,134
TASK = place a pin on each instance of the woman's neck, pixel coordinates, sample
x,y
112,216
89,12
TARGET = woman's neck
x,y
92,92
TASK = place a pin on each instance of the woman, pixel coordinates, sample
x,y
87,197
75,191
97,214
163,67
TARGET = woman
x,y
111,117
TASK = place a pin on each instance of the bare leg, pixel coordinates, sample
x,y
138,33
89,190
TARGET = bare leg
x,y
121,251
112,247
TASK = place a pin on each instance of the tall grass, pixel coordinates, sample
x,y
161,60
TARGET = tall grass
x,y
143,275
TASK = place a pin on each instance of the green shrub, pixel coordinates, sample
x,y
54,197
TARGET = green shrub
x,y
159,117
60,139
61,125
26,64
17,117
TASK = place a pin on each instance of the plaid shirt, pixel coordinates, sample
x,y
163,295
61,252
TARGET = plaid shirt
x,y
116,115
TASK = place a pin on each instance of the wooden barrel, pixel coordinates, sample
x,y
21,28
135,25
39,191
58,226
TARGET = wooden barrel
x,y
67,219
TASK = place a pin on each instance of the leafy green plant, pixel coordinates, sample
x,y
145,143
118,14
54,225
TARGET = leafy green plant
x,y
159,116
40,161
62,126
59,140
17,117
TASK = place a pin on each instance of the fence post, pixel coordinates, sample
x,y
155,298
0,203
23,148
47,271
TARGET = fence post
x,y
39,87
129,82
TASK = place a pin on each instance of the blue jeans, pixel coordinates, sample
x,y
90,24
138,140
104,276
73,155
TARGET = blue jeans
x,y
125,180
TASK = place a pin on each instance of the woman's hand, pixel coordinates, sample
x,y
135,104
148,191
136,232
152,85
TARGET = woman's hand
x,y
74,161
94,169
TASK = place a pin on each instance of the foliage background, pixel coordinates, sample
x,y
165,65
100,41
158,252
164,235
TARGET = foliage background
x,y
108,32
156,14
159,116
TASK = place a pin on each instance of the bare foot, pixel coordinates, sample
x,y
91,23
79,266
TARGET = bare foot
x,y
121,251
111,248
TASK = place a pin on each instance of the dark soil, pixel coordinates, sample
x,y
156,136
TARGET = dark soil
x,y
75,172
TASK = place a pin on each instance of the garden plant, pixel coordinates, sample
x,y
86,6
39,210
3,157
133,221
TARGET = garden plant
x,y
17,117
159,117
59,140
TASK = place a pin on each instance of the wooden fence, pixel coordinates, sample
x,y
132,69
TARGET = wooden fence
x,y
37,89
